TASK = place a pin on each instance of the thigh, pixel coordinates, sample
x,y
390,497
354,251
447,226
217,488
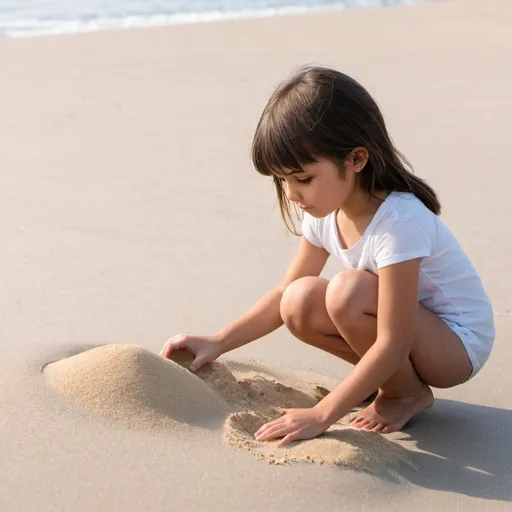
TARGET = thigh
x,y
304,312
303,303
438,355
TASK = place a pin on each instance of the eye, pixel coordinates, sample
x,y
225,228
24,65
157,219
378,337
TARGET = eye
x,y
305,181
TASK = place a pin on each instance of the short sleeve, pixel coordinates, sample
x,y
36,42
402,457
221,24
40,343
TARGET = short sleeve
x,y
310,230
401,240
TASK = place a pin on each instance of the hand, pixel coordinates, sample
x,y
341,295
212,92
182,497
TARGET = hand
x,y
204,349
294,424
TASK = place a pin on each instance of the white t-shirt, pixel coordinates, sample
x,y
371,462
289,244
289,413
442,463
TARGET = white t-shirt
x,y
403,228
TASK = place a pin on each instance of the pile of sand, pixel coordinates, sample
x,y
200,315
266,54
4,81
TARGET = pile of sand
x,y
247,390
341,445
131,385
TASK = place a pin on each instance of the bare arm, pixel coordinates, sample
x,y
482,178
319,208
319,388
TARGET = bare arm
x,y
398,292
397,306
265,317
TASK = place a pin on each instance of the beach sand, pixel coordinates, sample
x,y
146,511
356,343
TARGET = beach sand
x,y
130,212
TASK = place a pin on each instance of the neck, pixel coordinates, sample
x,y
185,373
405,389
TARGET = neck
x,y
362,203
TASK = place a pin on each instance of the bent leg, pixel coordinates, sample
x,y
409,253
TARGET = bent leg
x,y
304,312
438,357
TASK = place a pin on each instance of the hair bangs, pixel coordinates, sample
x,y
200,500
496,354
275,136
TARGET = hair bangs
x,y
282,146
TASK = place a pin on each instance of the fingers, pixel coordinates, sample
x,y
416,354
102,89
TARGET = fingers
x,y
172,344
167,350
292,436
195,365
163,352
273,432
270,424
287,432
277,428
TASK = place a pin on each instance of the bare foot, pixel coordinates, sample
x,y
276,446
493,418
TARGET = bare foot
x,y
388,414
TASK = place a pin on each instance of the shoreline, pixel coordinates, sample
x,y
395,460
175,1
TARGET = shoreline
x,y
163,20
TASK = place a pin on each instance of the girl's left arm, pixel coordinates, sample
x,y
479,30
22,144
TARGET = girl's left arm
x,y
396,328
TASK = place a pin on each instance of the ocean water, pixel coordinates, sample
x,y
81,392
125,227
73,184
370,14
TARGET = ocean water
x,y
25,18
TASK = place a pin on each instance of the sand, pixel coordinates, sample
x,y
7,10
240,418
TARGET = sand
x,y
129,385
130,212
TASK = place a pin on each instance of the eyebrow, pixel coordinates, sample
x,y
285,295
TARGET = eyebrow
x,y
293,173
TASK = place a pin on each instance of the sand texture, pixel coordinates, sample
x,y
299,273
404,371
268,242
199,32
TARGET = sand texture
x,y
133,386
128,384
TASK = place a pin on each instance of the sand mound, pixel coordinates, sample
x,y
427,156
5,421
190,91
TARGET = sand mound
x,y
252,390
341,445
129,384
259,396
271,393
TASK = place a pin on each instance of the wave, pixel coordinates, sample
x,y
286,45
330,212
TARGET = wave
x,y
30,27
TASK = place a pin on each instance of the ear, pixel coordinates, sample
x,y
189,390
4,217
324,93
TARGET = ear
x,y
357,159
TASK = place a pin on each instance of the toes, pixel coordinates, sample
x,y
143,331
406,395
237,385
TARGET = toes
x,y
370,425
359,423
356,419
390,428
378,427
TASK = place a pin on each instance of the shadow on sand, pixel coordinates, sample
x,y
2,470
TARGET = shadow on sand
x,y
465,449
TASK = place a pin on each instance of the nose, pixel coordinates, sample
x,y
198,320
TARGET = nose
x,y
291,193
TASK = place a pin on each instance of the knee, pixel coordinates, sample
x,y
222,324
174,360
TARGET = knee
x,y
298,301
347,295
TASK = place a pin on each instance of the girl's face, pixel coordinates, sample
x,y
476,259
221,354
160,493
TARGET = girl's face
x,y
320,190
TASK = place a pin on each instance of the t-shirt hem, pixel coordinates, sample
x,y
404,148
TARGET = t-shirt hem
x,y
308,238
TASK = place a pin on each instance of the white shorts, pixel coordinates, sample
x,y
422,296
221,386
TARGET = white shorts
x,y
478,350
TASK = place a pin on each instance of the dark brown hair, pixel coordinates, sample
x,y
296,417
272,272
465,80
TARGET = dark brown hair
x,y
323,113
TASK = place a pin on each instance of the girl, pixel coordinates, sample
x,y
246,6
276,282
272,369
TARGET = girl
x,y
409,312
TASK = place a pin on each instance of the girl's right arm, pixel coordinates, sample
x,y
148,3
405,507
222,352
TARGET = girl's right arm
x,y
263,318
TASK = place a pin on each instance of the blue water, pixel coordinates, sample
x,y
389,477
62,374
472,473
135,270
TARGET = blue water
x,y
23,18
